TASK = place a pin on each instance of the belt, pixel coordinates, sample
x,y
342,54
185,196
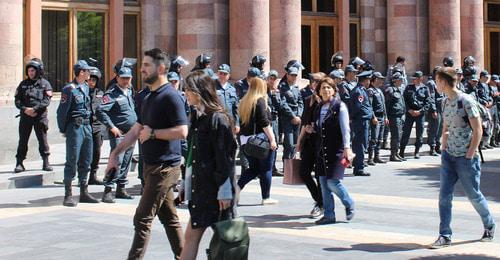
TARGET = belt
x,y
81,121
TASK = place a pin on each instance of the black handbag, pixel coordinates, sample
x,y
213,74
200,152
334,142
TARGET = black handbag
x,y
257,145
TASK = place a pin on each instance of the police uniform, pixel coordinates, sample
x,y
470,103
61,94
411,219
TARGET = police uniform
x,y
361,113
395,106
417,98
118,110
292,106
377,101
481,95
435,127
73,119
97,128
36,94
495,111
227,95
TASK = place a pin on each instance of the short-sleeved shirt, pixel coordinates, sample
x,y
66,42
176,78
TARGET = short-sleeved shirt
x,y
459,131
162,109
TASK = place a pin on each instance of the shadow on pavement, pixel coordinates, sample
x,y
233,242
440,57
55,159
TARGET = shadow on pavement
x,y
278,221
457,256
50,201
378,247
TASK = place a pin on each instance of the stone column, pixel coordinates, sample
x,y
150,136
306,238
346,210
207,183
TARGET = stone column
x,y
472,31
168,32
249,28
33,26
202,27
444,31
116,33
159,25
286,41
380,57
150,24
367,12
402,32
11,48
343,29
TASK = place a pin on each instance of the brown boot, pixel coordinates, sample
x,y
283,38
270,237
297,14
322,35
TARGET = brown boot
x,y
68,196
85,197
121,192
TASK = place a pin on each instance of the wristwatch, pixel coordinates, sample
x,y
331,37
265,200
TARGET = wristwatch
x,y
152,136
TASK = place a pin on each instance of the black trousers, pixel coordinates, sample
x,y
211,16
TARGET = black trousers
x,y
96,151
307,155
26,124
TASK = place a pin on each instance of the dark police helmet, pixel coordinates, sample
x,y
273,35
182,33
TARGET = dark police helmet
x,y
258,61
336,58
203,59
469,71
95,72
294,63
356,62
37,64
469,61
177,62
125,62
367,66
448,62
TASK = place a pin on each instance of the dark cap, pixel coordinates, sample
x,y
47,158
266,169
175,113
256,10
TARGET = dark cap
x,y
173,76
378,75
253,72
418,74
337,74
484,73
397,76
474,77
81,65
272,73
224,68
350,68
125,72
293,71
365,75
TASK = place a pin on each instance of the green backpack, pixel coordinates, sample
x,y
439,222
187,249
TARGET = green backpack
x,y
230,240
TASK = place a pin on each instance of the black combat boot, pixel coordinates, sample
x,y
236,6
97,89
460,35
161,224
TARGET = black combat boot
x,y
432,151
68,196
377,158
85,197
19,166
46,165
107,197
401,154
93,180
121,192
394,157
370,158
417,154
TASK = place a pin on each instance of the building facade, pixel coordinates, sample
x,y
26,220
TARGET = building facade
x,y
232,31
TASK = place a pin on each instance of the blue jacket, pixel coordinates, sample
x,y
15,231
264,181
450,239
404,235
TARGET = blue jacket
x,y
359,104
75,103
228,97
377,101
291,100
117,109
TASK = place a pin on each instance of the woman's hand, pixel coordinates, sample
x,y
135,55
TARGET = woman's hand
x,y
274,145
224,204
348,154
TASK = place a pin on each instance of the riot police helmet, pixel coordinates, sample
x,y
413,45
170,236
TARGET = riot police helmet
x,y
356,62
336,58
258,61
448,61
294,63
177,63
37,64
95,72
469,61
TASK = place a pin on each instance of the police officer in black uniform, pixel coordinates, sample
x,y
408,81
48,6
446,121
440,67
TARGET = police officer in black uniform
x,y
32,99
379,121
418,101
97,128
395,106
495,94
258,62
435,115
274,103
203,62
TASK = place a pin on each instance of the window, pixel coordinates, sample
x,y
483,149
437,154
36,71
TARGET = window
x,y
353,7
130,43
55,47
90,39
326,45
307,5
354,39
306,49
493,12
327,6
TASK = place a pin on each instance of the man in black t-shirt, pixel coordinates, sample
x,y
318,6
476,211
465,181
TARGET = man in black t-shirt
x,y
160,128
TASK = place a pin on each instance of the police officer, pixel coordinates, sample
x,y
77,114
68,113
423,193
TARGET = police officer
x,y
176,65
314,79
203,62
274,103
399,66
96,98
242,85
361,113
435,115
493,84
379,121
32,99
348,84
460,76
418,101
227,94
73,119
127,62
487,103
395,106
258,62
117,113
448,62
337,61
356,62
292,108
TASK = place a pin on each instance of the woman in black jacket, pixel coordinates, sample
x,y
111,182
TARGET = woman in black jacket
x,y
210,165
333,143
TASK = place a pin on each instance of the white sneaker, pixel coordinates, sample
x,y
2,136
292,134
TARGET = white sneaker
x,y
269,201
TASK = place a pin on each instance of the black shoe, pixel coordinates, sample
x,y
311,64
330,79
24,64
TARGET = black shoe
x,y
68,197
441,242
385,146
85,197
432,152
489,234
349,214
316,211
107,196
394,158
378,160
325,221
362,173
487,146
121,193
46,165
417,155
371,162
276,172
401,158
19,168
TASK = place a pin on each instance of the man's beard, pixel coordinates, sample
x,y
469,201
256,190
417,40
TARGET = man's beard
x,y
151,79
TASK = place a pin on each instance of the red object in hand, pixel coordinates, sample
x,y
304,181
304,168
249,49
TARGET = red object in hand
x,y
345,162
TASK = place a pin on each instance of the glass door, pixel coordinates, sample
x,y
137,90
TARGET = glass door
x,y
56,47
493,57
90,39
318,44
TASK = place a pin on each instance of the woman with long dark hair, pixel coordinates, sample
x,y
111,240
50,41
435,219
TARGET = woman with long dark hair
x,y
208,184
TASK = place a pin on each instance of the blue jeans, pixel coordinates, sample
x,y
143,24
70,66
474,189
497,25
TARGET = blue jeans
x,y
468,171
408,125
334,185
291,134
78,152
261,168
360,128
124,160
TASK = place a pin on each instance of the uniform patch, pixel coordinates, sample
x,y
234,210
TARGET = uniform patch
x,y
361,99
64,98
106,99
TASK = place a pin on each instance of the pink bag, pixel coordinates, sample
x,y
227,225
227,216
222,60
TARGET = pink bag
x,y
292,172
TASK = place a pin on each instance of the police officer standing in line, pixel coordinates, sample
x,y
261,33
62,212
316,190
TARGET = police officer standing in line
x,y
258,62
32,99
361,113
227,94
487,103
379,121
460,76
177,64
399,66
274,103
495,93
73,119
395,106
337,61
292,108
418,101
203,62
473,88
125,62
96,98
435,115
117,113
